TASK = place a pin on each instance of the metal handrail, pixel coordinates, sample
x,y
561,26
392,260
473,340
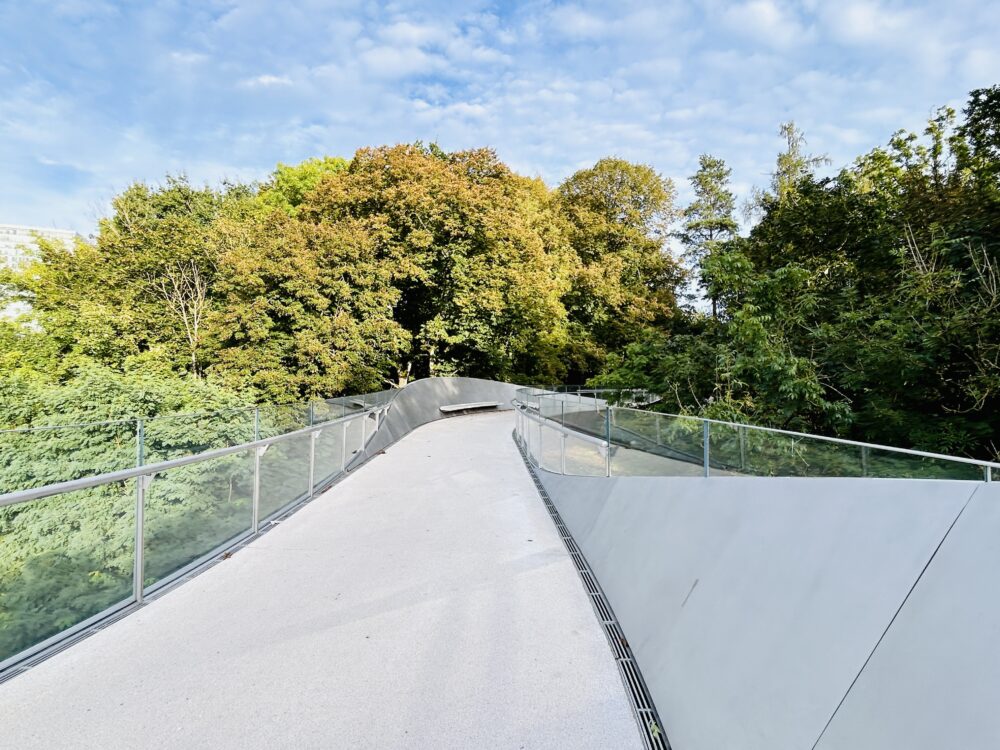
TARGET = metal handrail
x,y
826,438
144,476
559,427
37,493
986,466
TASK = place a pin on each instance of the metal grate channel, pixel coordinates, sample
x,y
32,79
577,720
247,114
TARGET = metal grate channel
x,y
642,704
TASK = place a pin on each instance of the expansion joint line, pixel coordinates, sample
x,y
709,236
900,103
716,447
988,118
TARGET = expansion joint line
x,y
635,687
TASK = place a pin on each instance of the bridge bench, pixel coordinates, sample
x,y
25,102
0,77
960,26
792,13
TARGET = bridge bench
x,y
471,406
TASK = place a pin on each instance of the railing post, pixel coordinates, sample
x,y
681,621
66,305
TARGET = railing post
x,y
742,432
312,462
659,438
538,445
138,562
704,437
541,450
562,452
343,447
988,473
258,451
607,436
139,566
364,432
864,460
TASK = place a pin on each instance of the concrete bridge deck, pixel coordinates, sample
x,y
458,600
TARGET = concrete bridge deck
x,y
425,602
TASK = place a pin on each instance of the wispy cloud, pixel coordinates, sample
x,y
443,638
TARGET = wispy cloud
x,y
266,81
97,94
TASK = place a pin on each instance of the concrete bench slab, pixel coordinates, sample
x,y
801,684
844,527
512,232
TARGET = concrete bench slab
x,y
471,406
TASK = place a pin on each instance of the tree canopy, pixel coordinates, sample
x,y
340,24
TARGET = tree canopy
x,y
866,304
863,303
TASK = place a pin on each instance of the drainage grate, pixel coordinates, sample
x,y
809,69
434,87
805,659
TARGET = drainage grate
x,y
639,698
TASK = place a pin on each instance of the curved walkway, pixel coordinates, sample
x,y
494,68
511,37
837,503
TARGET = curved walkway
x,y
425,602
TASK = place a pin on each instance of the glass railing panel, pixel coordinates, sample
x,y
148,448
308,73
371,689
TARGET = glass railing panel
x,y
284,474
585,458
588,416
532,433
583,409
64,559
728,451
549,451
35,457
678,445
356,431
381,398
774,454
192,510
178,435
647,444
280,419
352,404
329,453
324,411
635,429
893,465
551,407
744,450
339,406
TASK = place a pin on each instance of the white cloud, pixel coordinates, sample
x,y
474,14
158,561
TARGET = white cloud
x,y
266,81
408,34
398,62
575,22
187,57
766,21
552,86
980,67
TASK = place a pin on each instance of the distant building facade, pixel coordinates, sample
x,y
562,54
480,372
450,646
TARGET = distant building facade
x,y
17,243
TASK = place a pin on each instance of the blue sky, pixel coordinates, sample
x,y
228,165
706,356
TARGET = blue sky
x,y
95,95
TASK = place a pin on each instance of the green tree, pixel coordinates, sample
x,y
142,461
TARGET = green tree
x,y
623,279
473,251
709,221
290,184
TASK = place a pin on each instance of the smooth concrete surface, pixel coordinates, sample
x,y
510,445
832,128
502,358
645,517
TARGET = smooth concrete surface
x,y
425,602
752,604
934,681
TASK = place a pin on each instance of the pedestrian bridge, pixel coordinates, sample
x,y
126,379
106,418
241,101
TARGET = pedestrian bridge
x,y
562,573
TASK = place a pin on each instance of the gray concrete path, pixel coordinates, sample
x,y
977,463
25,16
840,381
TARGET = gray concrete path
x,y
425,602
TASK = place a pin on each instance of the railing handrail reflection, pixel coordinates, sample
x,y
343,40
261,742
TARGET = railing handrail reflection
x,y
535,394
97,480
